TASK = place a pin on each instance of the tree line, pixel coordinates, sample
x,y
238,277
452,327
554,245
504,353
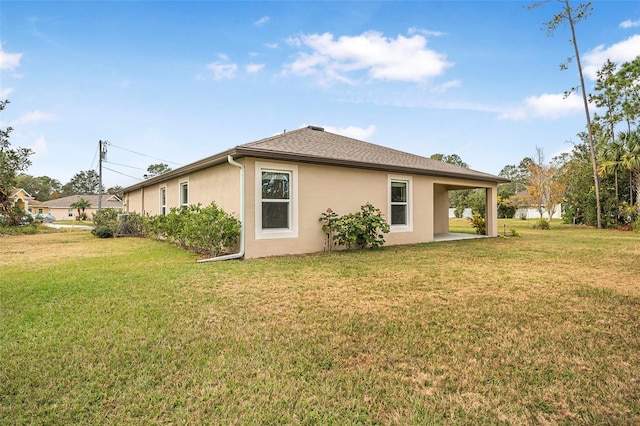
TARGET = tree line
x,y
568,178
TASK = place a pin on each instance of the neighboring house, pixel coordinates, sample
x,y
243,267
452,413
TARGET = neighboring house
x,y
279,186
466,213
38,207
20,198
527,211
61,208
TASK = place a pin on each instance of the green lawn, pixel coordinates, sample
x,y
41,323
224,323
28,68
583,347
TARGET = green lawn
x,y
542,329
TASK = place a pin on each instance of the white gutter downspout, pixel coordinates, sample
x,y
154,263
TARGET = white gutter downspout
x,y
242,203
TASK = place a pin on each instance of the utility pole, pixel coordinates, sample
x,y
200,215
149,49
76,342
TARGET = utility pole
x,y
102,148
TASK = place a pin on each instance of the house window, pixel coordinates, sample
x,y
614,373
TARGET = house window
x,y
400,204
39,211
276,201
70,212
184,194
163,201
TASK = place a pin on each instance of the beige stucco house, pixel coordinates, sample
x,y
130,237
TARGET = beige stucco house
x,y
279,186
20,198
61,208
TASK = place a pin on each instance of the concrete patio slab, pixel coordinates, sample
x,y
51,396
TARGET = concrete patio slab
x,y
450,236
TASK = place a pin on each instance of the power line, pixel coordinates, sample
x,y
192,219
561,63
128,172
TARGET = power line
x,y
123,174
94,158
123,165
144,155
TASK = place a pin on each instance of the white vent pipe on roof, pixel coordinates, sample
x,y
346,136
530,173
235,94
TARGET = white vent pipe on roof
x,y
242,224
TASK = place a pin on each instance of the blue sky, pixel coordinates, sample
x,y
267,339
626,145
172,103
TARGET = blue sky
x,y
179,81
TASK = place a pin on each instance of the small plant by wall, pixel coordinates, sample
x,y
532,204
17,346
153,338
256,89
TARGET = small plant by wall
x,y
479,223
365,228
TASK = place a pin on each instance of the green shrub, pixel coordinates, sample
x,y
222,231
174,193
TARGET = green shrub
x,y
479,223
365,228
210,230
103,232
15,217
541,223
458,211
129,224
105,218
636,224
204,230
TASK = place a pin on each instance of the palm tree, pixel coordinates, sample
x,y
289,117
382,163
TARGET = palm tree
x,y
81,205
630,159
611,153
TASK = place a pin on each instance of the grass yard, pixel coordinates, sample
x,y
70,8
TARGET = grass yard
x,y
542,329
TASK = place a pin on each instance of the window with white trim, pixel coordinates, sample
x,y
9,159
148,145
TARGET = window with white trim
x,y
184,194
276,201
163,200
400,211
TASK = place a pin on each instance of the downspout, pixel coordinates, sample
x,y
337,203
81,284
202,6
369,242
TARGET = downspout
x,y
242,224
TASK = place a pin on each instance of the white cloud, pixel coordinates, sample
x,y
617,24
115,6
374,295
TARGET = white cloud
x,y
441,88
40,146
629,23
5,92
382,58
428,33
33,117
353,131
548,105
253,68
260,22
9,61
223,71
621,52
271,45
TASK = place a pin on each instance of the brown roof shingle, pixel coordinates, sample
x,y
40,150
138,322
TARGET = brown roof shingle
x,y
313,145
108,201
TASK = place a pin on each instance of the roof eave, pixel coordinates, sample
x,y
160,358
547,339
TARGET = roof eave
x,y
278,155
243,151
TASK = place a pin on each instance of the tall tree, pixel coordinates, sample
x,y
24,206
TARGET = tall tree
x,y
631,157
517,175
156,170
84,182
628,82
115,190
451,159
42,188
539,178
572,16
607,95
12,162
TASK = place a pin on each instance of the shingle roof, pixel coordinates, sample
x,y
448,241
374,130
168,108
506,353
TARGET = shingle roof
x,y
16,191
314,145
108,201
